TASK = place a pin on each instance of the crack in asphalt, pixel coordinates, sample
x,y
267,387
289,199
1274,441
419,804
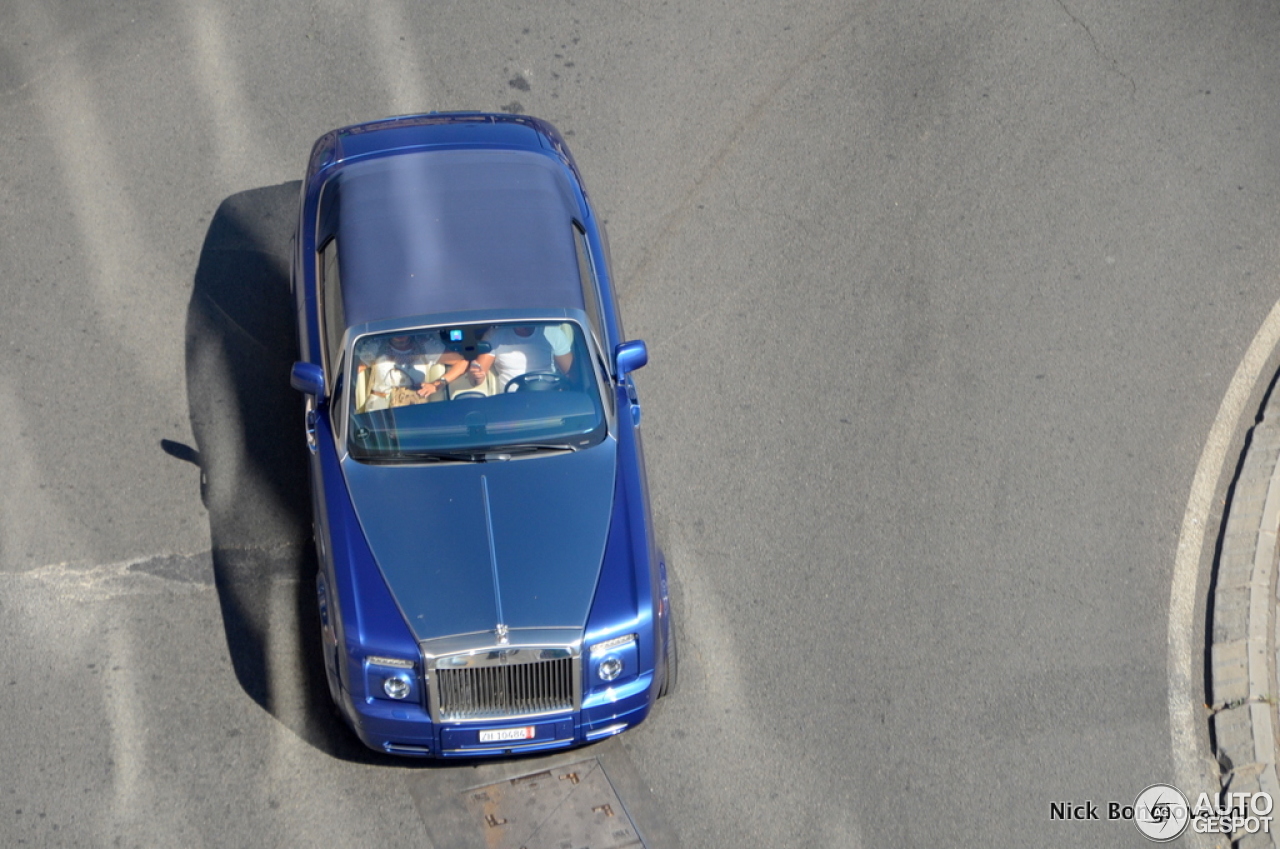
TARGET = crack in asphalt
x,y
1097,48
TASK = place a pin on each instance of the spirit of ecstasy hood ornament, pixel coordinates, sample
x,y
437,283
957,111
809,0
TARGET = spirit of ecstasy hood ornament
x,y
502,632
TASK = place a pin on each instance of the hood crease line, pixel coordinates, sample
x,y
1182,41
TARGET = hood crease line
x,y
493,551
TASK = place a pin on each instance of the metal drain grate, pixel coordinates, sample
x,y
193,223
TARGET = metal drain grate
x,y
569,807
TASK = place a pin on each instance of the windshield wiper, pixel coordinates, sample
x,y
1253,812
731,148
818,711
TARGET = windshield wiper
x,y
474,455
428,457
530,447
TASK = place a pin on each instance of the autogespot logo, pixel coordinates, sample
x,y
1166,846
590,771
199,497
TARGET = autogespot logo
x,y
1161,813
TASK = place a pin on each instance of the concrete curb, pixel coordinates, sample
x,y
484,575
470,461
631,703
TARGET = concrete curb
x,y
1243,658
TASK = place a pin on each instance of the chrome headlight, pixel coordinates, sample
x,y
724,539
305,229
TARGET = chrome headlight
x,y
390,678
396,687
614,659
609,668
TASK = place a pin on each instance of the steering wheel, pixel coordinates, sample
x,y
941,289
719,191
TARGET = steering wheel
x,y
538,381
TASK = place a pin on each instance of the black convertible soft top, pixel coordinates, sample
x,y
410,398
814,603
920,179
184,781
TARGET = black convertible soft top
x,y
434,231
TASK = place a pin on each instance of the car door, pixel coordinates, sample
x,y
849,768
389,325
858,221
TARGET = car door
x,y
323,424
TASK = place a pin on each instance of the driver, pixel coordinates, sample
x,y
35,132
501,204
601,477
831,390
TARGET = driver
x,y
522,348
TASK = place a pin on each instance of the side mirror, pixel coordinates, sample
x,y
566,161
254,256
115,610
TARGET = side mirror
x,y
630,356
308,378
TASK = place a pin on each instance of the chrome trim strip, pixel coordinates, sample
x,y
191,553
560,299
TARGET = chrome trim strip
x,y
609,731
477,642
405,749
490,747
503,656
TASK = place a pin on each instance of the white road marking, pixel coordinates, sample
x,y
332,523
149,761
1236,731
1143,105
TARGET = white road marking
x,y
112,241
398,63
240,156
1194,770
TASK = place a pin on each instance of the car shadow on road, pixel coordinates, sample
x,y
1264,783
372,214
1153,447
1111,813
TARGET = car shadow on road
x,y
247,422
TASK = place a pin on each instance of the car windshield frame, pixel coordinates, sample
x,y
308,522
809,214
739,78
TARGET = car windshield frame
x,y
459,421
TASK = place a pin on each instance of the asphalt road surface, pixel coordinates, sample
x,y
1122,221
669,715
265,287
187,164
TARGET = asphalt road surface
x,y
942,301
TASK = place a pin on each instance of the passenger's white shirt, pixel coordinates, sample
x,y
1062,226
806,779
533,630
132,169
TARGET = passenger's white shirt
x,y
515,354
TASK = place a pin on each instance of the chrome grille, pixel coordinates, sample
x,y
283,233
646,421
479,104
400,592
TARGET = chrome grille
x,y
511,689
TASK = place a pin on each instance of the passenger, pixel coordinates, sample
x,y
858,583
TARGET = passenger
x,y
521,349
398,368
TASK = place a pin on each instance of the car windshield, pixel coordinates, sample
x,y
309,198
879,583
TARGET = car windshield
x,y
463,391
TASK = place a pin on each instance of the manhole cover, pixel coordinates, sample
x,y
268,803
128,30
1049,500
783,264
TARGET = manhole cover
x,y
569,807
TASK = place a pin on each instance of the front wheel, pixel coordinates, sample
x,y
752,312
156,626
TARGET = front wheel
x,y
328,642
671,675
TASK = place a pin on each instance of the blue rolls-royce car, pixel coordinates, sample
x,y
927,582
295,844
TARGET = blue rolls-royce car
x,y
488,583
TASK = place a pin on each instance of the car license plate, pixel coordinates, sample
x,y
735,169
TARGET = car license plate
x,y
502,735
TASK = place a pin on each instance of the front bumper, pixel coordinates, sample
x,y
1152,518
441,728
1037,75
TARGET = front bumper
x,y
407,729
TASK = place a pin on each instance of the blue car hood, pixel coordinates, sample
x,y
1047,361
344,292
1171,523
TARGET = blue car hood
x,y
465,547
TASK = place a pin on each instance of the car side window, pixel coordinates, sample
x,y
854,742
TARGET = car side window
x,y
335,403
331,304
587,277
